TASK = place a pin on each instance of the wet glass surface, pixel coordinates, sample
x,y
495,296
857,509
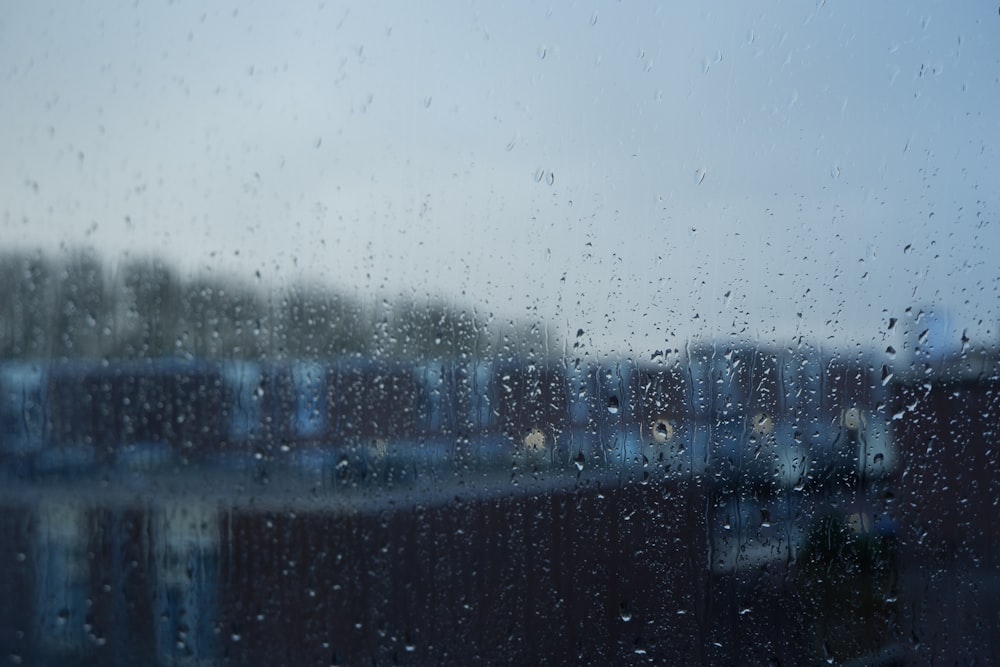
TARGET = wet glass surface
x,y
525,335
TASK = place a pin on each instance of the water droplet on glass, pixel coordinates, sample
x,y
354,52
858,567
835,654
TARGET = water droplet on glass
x,y
613,405
663,431
828,653
699,175
879,458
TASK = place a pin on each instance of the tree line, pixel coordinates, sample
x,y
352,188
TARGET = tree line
x,y
76,305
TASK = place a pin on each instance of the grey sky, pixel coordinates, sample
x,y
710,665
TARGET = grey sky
x,y
616,167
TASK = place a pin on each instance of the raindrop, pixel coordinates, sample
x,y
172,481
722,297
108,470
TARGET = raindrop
x,y
662,431
891,351
699,175
879,458
892,323
551,178
427,102
613,406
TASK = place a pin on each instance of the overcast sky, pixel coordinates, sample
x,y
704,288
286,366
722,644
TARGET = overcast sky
x,y
647,173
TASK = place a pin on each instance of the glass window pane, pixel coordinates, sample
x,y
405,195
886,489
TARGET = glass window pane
x,y
456,334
